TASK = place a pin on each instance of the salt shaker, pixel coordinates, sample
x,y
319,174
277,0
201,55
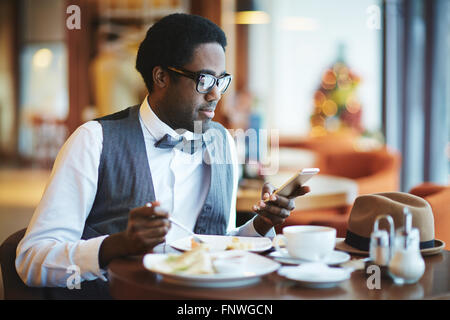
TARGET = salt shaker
x,y
381,242
407,265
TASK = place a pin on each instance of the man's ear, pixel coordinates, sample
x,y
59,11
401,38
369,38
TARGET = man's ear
x,y
161,77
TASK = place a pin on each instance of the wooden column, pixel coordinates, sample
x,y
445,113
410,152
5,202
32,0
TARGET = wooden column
x,y
208,9
78,49
241,57
16,78
212,10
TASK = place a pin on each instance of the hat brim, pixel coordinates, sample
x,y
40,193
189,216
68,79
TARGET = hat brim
x,y
342,246
439,245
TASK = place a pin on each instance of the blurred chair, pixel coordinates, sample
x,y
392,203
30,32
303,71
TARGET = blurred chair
x,y
332,217
438,197
13,286
49,134
15,289
373,171
331,143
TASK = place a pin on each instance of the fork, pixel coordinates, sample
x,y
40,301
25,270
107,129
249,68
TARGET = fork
x,y
194,236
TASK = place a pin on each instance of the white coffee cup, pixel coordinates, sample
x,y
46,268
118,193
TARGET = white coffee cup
x,y
311,243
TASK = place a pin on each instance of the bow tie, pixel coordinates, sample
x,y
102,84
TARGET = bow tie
x,y
181,143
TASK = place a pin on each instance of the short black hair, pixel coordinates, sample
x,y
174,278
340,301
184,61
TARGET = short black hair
x,y
172,40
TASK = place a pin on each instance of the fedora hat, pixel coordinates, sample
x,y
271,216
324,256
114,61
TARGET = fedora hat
x,y
367,208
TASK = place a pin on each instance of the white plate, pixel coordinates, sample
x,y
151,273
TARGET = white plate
x,y
316,275
219,243
255,267
335,258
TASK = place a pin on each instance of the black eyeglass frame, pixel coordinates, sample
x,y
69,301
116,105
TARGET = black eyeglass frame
x,y
196,76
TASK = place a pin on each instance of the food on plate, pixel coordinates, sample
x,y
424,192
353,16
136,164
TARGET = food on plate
x,y
237,244
200,261
224,243
196,261
196,244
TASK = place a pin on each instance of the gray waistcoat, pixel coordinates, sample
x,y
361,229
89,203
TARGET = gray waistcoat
x,y
125,181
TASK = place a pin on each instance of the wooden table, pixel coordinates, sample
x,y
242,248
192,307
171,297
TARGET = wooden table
x,y
130,280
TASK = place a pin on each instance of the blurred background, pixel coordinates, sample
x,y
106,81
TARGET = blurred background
x,y
358,88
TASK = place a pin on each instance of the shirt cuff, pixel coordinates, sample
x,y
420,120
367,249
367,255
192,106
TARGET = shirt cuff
x,y
248,230
88,256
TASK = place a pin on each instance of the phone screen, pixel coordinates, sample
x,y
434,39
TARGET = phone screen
x,y
299,179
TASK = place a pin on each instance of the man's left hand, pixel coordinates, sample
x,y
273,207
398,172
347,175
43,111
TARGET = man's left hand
x,y
276,210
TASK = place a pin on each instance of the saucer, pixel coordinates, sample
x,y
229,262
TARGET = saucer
x,y
316,275
334,258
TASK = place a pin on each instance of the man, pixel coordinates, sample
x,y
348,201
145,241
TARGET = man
x,y
117,180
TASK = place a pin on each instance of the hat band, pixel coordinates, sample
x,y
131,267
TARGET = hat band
x,y
363,243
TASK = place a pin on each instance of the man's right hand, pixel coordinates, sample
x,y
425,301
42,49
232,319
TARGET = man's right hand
x,y
147,227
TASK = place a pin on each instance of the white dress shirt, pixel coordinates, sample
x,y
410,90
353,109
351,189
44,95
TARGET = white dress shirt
x,y
52,244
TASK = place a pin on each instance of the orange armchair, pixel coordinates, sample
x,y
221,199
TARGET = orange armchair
x,y
438,197
332,217
330,143
374,171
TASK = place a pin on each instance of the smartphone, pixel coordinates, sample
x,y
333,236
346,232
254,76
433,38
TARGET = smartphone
x,y
299,179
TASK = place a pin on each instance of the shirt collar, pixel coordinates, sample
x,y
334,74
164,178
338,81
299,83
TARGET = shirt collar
x,y
156,126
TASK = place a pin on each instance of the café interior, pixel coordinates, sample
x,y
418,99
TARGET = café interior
x,y
357,88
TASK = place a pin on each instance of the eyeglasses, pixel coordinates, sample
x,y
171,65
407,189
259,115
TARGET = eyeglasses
x,y
205,81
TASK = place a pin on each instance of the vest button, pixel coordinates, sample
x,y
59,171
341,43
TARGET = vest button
x,y
207,207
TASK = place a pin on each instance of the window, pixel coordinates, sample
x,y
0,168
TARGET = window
x,y
289,55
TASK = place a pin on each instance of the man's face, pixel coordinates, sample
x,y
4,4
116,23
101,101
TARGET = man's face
x,y
185,103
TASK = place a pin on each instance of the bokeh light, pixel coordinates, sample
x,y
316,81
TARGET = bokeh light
x,y
42,58
329,108
329,80
318,131
319,99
